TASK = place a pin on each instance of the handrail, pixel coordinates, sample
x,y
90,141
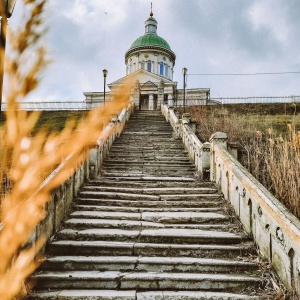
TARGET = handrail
x,y
275,229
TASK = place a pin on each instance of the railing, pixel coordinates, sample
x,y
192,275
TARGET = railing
x,y
245,100
275,230
52,106
80,105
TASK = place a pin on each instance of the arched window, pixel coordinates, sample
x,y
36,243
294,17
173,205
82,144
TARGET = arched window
x,y
161,68
149,66
143,65
166,70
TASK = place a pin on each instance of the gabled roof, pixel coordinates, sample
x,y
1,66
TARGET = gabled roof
x,y
142,76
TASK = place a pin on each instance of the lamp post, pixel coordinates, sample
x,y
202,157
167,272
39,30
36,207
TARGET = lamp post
x,y
6,10
184,70
105,72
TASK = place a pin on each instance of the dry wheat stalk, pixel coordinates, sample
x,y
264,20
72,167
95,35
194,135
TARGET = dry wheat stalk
x,y
28,160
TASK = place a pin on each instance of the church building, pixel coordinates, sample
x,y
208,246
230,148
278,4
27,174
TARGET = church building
x,y
150,63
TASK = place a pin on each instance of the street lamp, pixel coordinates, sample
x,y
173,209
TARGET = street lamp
x,y
105,72
6,10
184,70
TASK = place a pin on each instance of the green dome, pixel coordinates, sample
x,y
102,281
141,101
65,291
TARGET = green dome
x,y
150,40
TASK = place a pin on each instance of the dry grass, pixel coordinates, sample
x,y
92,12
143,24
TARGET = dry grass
x,y
272,157
27,160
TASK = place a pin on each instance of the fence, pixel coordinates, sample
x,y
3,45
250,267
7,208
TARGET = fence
x,y
245,100
52,106
76,105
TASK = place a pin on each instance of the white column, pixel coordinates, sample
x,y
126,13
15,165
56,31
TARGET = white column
x,y
156,64
170,101
151,102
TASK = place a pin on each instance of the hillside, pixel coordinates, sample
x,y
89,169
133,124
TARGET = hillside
x,y
247,117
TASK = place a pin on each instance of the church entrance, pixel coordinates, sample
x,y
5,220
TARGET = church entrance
x,y
146,103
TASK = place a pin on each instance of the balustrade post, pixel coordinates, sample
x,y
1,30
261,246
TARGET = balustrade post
x,y
220,139
204,161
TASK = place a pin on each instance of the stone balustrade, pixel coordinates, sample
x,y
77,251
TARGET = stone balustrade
x,y
61,197
275,230
198,152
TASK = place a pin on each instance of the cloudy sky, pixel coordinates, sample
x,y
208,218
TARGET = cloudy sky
x,y
207,36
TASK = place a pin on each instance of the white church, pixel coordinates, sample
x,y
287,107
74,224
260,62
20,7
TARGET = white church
x,y
150,64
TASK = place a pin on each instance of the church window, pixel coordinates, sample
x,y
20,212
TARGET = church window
x,y
161,68
166,70
149,66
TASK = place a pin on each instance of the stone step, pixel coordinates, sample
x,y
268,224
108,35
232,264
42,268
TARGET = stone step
x,y
161,163
152,156
152,191
81,223
165,217
137,209
163,168
146,173
205,203
164,148
76,247
141,295
199,196
153,179
162,235
147,264
144,280
135,183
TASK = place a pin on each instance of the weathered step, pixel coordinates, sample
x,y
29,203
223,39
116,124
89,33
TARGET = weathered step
x,y
139,197
155,179
147,264
105,182
143,295
139,177
116,158
152,167
152,191
150,204
164,148
169,235
80,224
148,162
137,209
144,281
160,217
65,247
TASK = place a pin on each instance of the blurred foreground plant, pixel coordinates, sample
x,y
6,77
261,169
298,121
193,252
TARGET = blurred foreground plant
x,y
27,160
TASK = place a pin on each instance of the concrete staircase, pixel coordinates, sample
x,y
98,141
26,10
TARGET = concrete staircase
x,y
148,229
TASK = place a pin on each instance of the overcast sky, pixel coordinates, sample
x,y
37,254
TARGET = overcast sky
x,y
207,36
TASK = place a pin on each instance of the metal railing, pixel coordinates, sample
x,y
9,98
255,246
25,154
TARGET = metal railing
x,y
244,100
80,105
52,106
